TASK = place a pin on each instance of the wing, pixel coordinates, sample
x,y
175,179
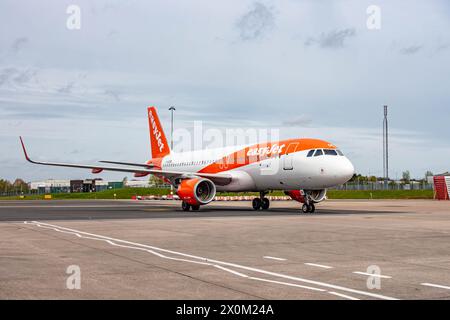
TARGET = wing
x,y
144,165
219,179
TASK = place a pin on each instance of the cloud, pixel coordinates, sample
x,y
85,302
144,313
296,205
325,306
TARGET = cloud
x,y
253,24
411,50
113,94
67,88
25,76
333,39
6,74
17,76
442,47
302,121
19,44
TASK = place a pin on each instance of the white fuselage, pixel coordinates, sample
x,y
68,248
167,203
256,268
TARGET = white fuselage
x,y
279,171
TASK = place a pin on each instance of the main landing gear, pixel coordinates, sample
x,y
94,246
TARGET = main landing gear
x,y
262,202
308,206
186,206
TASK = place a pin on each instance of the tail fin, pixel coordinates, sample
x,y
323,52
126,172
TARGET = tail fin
x,y
158,140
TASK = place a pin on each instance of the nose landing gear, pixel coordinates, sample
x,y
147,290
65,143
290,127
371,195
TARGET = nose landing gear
x,y
308,206
262,202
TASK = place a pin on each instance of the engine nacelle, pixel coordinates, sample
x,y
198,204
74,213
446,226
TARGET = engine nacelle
x,y
300,195
196,191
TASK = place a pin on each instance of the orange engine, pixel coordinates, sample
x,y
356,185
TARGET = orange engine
x,y
196,191
296,195
315,195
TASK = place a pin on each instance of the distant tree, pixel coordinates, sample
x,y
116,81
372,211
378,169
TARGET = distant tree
x,y
155,181
20,185
406,176
5,186
373,179
428,174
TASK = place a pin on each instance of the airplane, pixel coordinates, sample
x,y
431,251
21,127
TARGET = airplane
x,y
303,168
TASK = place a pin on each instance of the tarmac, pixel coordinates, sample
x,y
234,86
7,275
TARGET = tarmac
x,y
102,249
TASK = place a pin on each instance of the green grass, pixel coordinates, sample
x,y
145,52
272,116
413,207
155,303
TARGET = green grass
x,y
380,194
124,193
127,193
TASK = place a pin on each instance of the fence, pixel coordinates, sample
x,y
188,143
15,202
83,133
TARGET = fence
x,y
382,186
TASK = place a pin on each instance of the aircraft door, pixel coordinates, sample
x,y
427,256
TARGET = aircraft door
x,y
287,158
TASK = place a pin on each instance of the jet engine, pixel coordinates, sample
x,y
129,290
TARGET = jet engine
x,y
300,195
196,191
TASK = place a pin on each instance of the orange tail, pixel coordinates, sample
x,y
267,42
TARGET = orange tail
x,y
158,140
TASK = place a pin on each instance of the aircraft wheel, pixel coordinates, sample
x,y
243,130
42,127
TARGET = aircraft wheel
x,y
256,203
305,208
312,208
265,204
195,208
185,206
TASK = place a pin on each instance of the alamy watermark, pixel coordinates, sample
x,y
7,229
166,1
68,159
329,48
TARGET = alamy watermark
x,y
374,281
373,21
73,21
246,145
73,281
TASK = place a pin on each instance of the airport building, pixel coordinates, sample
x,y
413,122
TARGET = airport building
x,y
72,186
442,186
50,186
86,185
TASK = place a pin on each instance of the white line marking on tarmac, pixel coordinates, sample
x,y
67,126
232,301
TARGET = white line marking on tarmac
x,y
318,265
343,295
203,260
231,271
288,284
372,275
435,285
274,258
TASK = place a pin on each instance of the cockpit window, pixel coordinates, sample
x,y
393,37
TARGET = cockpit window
x,y
310,153
330,152
319,152
340,152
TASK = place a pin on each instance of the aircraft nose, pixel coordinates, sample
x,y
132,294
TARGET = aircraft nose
x,y
347,169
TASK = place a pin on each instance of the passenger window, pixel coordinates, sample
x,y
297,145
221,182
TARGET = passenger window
x,y
330,152
310,153
319,152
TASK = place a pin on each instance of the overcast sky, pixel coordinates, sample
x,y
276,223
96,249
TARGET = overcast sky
x,y
309,68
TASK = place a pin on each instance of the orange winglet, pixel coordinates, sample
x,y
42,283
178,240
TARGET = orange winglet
x,y
24,150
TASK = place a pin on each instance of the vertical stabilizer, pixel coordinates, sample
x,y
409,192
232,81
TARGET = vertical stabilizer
x,y
158,141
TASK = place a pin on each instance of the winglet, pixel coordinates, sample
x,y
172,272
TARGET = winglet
x,y
25,150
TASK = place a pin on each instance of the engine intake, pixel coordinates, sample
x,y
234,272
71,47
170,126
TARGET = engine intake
x,y
317,195
196,191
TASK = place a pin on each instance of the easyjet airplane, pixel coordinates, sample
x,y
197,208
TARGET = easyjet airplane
x,y
303,168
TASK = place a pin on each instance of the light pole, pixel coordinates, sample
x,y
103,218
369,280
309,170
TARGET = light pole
x,y
386,147
171,109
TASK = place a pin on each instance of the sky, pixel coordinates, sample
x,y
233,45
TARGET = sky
x,y
306,68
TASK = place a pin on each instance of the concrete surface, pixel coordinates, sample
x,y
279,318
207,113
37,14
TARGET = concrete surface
x,y
153,250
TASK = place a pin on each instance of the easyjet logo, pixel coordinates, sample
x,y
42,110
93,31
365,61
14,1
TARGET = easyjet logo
x,y
156,132
266,151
